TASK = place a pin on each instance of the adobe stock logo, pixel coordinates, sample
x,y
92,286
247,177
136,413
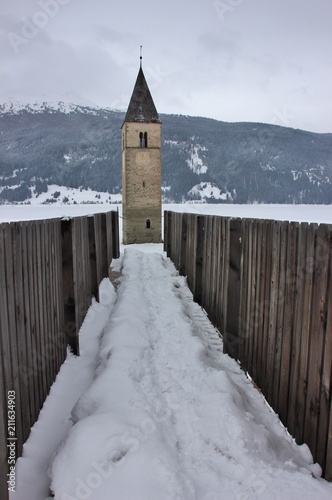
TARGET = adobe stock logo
x,y
225,7
30,27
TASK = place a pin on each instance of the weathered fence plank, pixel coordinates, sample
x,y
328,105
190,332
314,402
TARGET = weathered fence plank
x,y
288,320
190,250
39,308
261,263
273,312
326,373
232,285
293,410
68,284
105,263
22,408
24,371
266,303
307,283
10,282
214,277
183,247
243,297
199,259
29,374
115,236
281,299
252,296
317,333
255,298
81,266
248,295
94,257
3,432
206,264
218,271
109,237
5,368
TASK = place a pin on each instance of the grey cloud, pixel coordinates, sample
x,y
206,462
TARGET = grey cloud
x,y
241,67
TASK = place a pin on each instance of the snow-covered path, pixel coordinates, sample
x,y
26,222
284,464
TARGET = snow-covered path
x,y
167,415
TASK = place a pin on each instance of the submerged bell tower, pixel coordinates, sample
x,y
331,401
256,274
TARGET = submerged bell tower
x,y
141,167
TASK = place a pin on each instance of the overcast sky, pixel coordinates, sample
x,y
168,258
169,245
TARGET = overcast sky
x,y
234,60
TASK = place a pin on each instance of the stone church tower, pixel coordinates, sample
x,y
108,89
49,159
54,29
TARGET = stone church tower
x,y
141,167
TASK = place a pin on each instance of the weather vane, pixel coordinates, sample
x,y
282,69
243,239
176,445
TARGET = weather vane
x,y
140,57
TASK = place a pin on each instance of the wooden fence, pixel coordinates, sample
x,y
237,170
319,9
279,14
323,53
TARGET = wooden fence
x,y
49,271
267,287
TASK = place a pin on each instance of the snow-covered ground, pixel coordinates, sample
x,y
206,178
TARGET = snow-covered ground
x,y
62,196
153,410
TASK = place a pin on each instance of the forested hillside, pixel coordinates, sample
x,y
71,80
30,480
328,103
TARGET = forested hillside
x,y
205,159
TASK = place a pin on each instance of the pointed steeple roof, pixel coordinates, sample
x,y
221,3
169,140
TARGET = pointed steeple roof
x,y
141,107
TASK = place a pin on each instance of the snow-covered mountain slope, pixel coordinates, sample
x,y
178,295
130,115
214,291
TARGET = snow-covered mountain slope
x,y
79,146
16,107
67,102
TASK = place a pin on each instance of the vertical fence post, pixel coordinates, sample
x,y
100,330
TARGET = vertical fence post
x,y
191,250
165,230
231,336
94,268
4,468
326,390
257,336
288,320
4,370
297,337
115,235
104,265
316,410
183,247
109,237
178,226
68,285
99,260
200,221
170,222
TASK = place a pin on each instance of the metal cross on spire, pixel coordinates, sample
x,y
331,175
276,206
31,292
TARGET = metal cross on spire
x,y
140,58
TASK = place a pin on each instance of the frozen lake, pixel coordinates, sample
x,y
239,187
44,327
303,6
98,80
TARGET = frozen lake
x,y
302,213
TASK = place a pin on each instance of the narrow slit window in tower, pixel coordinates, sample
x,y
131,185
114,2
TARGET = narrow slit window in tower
x,y
141,140
148,224
145,139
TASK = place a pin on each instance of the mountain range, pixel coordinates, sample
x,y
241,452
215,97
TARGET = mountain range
x,y
78,146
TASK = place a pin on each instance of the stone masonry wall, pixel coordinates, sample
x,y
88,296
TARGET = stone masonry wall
x,y
141,183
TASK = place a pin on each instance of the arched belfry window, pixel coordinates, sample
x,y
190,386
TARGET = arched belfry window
x,y
143,140
148,223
